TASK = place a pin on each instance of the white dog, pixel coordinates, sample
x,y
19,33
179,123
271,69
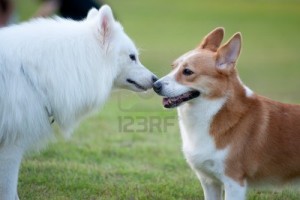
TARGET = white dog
x,y
58,69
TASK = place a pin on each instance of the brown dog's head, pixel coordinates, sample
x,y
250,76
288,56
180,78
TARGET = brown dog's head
x,y
201,73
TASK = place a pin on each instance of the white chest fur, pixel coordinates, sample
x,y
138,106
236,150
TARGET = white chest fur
x,y
198,145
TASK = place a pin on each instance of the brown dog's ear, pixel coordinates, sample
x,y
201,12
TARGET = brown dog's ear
x,y
213,40
228,54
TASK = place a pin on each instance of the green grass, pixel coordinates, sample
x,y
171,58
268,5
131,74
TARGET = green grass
x,y
104,161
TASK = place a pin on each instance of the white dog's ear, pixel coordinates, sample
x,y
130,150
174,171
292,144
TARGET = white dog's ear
x,y
213,40
228,54
106,23
92,13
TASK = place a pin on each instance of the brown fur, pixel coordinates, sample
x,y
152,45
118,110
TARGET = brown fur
x,y
263,135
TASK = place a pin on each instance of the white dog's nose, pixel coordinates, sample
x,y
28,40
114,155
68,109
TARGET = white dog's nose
x,y
154,78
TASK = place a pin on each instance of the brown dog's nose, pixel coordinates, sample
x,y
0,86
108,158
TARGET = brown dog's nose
x,y
157,86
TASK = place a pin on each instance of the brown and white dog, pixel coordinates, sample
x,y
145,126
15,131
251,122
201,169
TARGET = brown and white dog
x,y
232,137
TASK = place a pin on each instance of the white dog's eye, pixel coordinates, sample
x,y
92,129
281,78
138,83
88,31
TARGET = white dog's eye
x,y
132,57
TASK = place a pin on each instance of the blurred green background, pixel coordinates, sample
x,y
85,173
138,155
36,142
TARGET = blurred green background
x,y
118,153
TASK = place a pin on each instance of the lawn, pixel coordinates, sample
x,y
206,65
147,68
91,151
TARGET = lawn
x,y
132,148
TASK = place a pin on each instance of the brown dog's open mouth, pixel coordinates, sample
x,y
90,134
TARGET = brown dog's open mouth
x,y
172,102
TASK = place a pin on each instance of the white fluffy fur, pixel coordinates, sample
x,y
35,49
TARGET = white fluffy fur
x,y
62,68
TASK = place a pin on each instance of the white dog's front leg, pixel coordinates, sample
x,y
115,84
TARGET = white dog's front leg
x,y
212,190
234,191
10,159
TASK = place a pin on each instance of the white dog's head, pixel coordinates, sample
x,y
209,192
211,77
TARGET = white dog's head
x,y
117,46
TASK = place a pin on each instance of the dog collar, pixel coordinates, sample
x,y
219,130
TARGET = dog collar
x,y
40,93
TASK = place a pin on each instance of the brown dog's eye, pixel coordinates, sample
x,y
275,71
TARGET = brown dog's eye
x,y
187,72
